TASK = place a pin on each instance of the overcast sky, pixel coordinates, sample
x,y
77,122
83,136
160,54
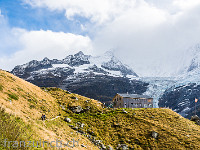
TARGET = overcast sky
x,y
151,36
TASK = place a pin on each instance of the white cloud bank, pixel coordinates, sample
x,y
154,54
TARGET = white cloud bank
x,y
35,45
149,35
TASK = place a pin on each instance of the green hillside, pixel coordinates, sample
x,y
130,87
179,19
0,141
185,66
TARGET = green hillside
x,y
132,127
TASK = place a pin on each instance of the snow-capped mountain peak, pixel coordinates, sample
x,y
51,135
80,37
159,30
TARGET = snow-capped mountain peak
x,y
78,63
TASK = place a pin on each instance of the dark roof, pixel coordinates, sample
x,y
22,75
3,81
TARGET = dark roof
x,y
133,95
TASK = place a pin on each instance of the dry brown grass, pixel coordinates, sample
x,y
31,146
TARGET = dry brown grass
x,y
27,101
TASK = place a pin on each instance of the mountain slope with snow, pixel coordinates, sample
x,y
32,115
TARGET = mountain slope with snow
x,y
180,96
98,77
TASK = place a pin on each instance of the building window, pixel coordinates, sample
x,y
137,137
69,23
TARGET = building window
x,y
145,105
125,105
150,105
131,103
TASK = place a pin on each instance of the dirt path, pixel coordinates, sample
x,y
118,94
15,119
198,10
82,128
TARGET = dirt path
x,y
54,118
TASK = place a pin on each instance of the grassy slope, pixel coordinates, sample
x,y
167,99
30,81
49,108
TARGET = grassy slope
x,y
134,128
28,102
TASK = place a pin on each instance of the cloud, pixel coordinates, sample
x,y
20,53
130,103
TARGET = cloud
x,y
8,37
18,46
97,11
53,44
186,4
152,40
149,35
39,44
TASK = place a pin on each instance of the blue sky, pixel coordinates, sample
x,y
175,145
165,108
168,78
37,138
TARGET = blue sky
x,y
156,31
22,15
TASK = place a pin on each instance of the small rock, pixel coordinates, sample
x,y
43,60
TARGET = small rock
x,y
196,119
75,128
82,125
76,109
98,141
124,147
124,111
102,146
154,134
109,147
83,146
63,107
81,131
67,119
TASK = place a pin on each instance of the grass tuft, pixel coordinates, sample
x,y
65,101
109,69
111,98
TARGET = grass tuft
x,y
1,88
13,96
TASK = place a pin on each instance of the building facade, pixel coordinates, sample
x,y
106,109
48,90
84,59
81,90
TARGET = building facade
x,y
132,101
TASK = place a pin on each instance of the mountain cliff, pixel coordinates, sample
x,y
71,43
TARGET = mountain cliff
x,y
181,95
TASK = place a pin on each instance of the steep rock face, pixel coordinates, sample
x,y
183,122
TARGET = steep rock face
x,y
182,99
96,77
77,59
116,65
104,87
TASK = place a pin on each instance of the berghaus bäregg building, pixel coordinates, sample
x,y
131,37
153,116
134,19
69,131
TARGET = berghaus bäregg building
x,y
132,101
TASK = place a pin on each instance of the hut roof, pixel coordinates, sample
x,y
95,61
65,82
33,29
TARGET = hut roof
x,y
133,95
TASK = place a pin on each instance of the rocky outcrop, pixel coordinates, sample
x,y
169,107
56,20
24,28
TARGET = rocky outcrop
x,y
182,99
196,119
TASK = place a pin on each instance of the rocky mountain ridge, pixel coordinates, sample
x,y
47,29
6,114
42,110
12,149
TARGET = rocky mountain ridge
x,y
98,77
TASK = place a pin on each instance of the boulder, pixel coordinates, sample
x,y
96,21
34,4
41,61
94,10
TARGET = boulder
x,y
71,126
67,119
196,119
82,125
76,109
83,146
122,147
154,134
109,147
124,111
103,147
